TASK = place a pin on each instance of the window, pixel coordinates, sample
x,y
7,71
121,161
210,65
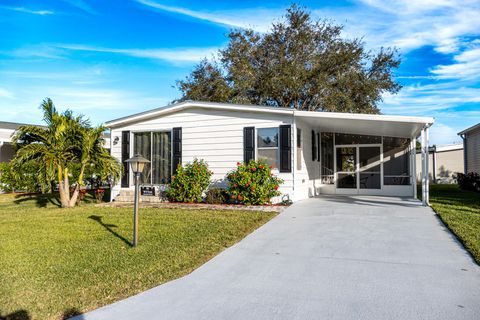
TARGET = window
x,y
142,146
326,145
396,163
156,147
267,145
299,149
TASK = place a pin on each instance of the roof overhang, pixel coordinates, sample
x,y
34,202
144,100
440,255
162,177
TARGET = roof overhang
x,y
477,126
368,124
355,123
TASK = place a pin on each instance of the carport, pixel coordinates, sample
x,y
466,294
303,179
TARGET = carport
x,y
362,151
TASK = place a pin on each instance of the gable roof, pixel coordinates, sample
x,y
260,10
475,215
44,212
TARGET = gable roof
x,y
14,125
477,126
262,109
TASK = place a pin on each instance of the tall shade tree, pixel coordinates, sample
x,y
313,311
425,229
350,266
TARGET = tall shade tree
x,y
67,146
300,63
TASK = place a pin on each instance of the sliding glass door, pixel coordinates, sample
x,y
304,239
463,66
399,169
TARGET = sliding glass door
x,y
358,167
156,147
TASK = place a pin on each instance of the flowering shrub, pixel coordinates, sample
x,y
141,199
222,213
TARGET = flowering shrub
x,y
99,193
253,183
190,182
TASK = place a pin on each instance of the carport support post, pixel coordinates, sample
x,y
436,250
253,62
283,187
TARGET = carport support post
x,y
424,143
427,176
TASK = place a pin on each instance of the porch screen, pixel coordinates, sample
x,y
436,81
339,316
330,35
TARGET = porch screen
x,y
396,161
326,154
156,147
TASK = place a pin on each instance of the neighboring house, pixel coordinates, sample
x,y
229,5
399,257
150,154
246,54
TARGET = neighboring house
x,y
471,147
313,152
6,131
444,162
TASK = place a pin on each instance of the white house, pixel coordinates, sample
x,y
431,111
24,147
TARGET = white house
x,y
7,129
471,148
445,161
313,152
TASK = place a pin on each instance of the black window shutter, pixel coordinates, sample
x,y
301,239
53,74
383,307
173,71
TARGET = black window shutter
x,y
314,147
177,149
248,144
125,156
318,146
285,148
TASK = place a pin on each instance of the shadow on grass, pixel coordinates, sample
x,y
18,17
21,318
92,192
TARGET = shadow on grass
x,y
41,200
17,315
109,227
73,314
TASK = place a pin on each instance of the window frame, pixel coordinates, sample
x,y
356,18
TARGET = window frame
x,y
277,153
132,149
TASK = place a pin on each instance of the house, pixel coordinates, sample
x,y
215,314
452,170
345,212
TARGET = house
x,y
7,129
444,162
313,152
471,148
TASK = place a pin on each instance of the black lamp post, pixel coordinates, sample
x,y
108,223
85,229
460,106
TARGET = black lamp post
x,y
137,163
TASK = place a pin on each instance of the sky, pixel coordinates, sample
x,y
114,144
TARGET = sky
x,y
108,59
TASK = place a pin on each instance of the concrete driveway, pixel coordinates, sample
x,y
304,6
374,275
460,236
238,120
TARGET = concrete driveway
x,y
326,258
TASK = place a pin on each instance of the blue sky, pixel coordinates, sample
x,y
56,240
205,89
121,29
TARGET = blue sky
x,y
107,59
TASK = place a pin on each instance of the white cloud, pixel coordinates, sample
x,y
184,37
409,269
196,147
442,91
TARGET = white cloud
x,y
26,10
179,55
466,66
4,93
82,5
258,19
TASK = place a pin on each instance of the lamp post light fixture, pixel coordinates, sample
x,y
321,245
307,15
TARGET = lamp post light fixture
x,y
137,163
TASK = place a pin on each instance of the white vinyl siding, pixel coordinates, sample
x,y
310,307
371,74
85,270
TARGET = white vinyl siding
x,y
473,150
213,135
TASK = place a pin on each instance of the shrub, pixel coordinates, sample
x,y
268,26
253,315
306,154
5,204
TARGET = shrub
x,y
99,193
469,181
20,178
190,182
216,196
253,183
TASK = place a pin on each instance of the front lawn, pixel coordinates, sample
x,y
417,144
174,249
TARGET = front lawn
x,y
58,262
460,211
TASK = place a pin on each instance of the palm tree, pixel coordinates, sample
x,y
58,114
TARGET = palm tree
x,y
66,145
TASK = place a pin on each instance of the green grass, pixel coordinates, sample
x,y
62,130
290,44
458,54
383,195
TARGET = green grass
x,y
460,211
59,262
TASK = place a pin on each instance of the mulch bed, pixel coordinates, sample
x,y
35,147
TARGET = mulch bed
x,y
196,206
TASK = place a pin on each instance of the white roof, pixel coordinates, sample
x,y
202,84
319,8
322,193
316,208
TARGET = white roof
x,y
372,124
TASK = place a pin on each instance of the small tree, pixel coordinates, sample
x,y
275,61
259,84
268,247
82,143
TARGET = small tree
x,y
66,147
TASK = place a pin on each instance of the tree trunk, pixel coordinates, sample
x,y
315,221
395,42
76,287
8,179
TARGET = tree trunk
x,y
73,200
61,188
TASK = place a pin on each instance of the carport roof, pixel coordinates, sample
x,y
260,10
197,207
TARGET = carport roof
x,y
355,123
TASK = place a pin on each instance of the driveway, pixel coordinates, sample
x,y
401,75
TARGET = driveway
x,y
326,258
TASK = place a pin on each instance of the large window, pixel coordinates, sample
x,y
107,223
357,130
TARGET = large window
x,y
267,145
326,153
156,147
396,163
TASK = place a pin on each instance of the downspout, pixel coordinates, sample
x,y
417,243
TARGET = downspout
x,y
465,160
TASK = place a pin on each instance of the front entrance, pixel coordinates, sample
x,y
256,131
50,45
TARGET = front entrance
x,y
358,168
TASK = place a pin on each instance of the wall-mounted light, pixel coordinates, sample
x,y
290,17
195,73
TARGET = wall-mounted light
x,y
115,141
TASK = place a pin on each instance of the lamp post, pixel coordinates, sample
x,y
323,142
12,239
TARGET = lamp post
x,y
137,163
